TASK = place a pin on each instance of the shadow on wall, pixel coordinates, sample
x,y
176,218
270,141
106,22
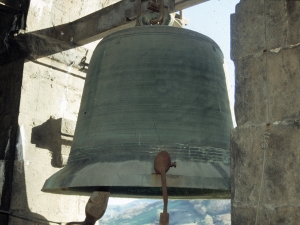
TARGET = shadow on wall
x,y
20,212
24,216
56,135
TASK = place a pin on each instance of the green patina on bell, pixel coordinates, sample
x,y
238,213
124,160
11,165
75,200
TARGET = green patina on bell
x,y
148,89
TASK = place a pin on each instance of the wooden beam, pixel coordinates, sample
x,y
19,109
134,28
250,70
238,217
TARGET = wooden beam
x,y
49,41
34,46
99,24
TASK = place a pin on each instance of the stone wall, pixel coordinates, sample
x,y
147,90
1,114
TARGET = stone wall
x,y
39,103
266,143
50,92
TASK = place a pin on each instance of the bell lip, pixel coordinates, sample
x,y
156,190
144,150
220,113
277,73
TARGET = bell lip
x,y
115,192
83,180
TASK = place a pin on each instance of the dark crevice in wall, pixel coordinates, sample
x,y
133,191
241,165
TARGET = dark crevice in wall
x,y
10,86
10,92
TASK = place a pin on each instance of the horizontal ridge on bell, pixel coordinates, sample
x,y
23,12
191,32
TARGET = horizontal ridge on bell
x,y
148,89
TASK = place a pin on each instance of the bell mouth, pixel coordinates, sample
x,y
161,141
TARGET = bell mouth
x,y
145,192
137,179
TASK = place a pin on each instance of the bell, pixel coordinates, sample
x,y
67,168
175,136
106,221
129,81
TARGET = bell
x,y
150,89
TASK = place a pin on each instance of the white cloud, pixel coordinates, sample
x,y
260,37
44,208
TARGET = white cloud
x,y
208,220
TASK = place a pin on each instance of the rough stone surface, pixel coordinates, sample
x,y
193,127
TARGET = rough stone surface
x,y
29,97
264,25
47,95
288,215
246,24
293,16
267,86
265,148
283,83
265,164
251,90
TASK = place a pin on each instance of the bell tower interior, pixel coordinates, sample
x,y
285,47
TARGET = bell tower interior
x,y
45,52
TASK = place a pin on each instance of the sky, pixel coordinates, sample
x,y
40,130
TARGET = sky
x,y
182,212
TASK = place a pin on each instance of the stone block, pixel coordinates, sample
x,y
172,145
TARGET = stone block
x,y
275,24
246,163
283,73
267,86
264,167
55,92
243,215
282,163
246,29
264,25
251,90
284,215
293,15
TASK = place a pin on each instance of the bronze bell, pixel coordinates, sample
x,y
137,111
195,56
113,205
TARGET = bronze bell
x,y
150,89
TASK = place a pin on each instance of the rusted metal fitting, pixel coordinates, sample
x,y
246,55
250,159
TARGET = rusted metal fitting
x,y
162,164
164,219
173,164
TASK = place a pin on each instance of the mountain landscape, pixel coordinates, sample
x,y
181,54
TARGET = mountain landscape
x,y
182,212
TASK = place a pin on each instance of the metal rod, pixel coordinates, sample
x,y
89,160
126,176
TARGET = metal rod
x,y
164,190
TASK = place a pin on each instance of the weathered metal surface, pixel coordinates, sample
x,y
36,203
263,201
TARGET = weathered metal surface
x,y
162,162
150,89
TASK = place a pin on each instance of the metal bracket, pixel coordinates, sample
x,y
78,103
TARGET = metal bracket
x,y
159,14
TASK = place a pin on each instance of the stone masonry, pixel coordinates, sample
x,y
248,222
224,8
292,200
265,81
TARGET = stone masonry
x,y
265,146
39,102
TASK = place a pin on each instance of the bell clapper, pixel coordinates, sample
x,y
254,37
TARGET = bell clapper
x,y
162,164
95,208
